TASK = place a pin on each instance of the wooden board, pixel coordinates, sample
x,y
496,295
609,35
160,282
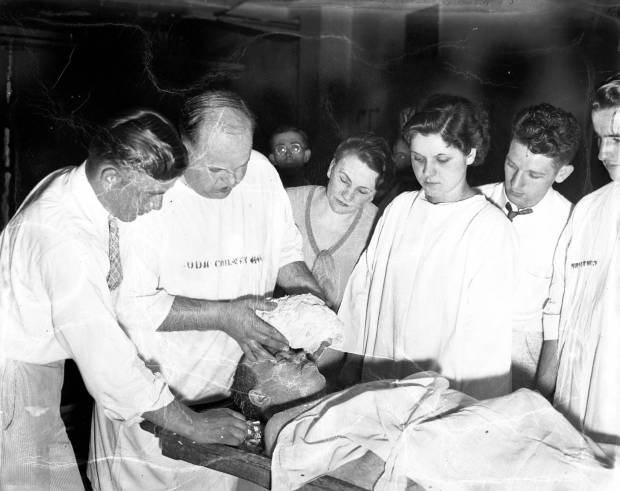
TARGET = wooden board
x,y
235,461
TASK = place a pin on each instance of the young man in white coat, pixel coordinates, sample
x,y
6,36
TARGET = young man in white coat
x,y
59,272
544,142
581,352
198,272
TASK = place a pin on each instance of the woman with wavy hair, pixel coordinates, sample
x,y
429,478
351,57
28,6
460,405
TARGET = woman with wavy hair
x,y
433,291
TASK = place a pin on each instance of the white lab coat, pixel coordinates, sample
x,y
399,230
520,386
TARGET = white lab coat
x,y
198,248
434,291
538,234
583,313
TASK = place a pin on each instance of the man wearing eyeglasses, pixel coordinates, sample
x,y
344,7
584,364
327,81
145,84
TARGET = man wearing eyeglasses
x,y
289,154
195,277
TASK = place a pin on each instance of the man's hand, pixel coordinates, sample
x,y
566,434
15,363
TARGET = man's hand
x,y
239,321
219,426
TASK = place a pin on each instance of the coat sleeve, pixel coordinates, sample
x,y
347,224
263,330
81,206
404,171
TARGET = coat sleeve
x,y
553,305
86,326
354,304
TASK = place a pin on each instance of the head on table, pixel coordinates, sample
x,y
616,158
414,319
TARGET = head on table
x,y
263,387
606,123
544,142
359,166
217,129
133,161
446,134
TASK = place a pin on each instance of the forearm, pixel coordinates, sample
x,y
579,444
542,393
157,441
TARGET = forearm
x,y
547,368
296,278
190,314
174,417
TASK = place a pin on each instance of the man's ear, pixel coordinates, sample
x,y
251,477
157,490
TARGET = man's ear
x,y
329,169
272,159
110,177
563,173
469,159
258,398
307,154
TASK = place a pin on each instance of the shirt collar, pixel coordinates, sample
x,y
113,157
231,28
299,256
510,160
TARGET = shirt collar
x,y
87,199
539,207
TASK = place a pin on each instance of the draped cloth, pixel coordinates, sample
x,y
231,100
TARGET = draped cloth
x,y
440,439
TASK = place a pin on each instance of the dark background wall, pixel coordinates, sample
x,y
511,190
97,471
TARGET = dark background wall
x,y
334,69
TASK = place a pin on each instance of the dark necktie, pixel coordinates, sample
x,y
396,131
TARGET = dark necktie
x,y
512,213
115,275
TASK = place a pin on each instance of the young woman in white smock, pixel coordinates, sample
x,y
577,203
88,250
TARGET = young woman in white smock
x,y
434,289
336,221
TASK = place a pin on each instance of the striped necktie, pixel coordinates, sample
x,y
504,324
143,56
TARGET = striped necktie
x,y
512,213
115,275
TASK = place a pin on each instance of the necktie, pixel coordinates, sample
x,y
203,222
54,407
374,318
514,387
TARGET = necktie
x,y
115,275
512,213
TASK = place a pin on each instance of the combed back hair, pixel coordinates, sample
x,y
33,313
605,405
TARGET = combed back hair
x,y
548,130
285,129
371,149
141,140
608,94
243,382
462,124
219,110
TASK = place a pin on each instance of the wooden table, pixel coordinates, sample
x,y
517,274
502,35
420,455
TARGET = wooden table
x,y
235,461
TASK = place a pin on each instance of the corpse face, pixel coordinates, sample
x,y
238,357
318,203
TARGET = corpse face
x,y
292,375
218,162
528,176
606,124
441,169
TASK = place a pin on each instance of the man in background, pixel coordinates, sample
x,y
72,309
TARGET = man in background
x,y
289,154
544,142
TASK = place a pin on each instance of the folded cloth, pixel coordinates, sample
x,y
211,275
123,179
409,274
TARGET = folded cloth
x,y
305,321
441,439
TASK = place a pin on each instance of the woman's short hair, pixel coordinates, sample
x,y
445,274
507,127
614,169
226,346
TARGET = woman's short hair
x,y
462,124
141,140
548,130
371,149
608,94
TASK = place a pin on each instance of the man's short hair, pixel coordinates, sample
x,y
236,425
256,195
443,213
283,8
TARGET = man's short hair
x,y
141,140
289,128
608,94
548,130
216,109
244,381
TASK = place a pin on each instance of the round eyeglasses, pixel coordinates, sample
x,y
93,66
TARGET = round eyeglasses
x,y
294,148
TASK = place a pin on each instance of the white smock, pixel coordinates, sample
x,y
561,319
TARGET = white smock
x,y
538,233
441,440
584,310
215,249
434,291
